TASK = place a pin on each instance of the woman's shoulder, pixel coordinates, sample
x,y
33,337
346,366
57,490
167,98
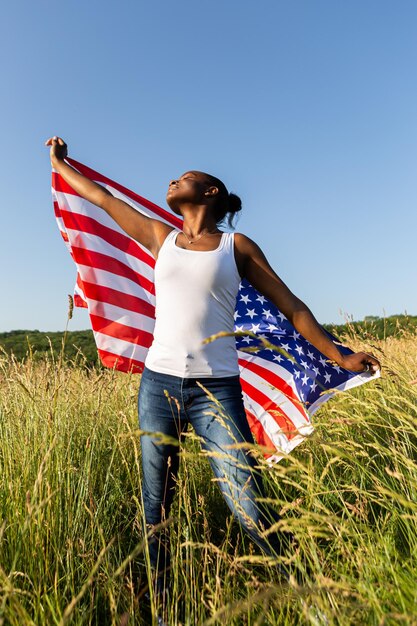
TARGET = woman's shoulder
x,y
245,249
244,243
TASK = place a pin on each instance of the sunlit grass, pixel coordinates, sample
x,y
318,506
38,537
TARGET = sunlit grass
x,y
71,541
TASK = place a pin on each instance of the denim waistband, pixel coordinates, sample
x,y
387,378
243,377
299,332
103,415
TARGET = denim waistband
x,y
184,382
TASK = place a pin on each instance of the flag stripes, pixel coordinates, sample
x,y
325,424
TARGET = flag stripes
x,y
122,299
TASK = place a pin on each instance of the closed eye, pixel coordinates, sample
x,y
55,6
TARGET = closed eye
x,y
185,176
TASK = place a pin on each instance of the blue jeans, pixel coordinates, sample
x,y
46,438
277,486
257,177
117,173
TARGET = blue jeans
x,y
167,404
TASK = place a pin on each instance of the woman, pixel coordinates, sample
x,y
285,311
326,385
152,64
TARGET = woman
x,y
186,381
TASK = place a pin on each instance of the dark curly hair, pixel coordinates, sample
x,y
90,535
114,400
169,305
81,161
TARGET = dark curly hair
x,y
227,204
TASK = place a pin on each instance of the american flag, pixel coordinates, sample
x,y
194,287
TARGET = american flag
x,y
284,378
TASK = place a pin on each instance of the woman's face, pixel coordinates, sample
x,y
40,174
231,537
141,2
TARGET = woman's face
x,y
190,188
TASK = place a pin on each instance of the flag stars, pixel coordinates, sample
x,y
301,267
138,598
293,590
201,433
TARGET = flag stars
x,y
311,371
266,313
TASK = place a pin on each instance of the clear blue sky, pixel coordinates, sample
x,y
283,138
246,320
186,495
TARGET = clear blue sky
x,y
307,109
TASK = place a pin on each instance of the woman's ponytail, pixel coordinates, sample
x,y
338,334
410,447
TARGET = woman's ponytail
x,y
227,204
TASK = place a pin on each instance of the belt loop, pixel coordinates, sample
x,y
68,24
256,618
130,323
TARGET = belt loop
x,y
182,394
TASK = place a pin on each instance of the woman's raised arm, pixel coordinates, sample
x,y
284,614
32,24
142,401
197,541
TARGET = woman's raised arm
x,y
147,231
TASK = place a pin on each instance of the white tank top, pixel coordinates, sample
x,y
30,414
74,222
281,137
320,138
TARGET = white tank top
x,y
195,298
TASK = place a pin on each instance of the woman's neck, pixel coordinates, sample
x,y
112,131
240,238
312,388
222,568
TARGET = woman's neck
x,y
195,224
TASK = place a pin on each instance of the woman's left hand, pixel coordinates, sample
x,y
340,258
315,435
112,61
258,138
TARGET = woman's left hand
x,y
360,362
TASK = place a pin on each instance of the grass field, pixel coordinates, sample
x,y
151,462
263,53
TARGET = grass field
x,y
72,549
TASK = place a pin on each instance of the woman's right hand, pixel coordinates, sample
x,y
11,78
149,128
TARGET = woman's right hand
x,y
59,149
149,232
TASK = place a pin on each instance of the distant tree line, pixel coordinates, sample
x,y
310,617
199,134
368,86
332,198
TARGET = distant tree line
x,y
376,327
79,346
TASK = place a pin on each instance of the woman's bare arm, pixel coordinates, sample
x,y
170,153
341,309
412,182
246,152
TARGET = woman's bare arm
x,y
147,231
254,266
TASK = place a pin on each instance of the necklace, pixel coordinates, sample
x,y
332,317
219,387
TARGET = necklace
x,y
194,239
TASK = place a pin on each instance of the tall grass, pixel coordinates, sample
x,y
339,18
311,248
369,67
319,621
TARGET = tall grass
x,y
72,550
